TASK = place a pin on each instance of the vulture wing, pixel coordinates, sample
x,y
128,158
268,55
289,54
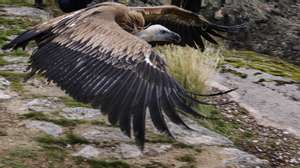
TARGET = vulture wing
x,y
191,26
94,60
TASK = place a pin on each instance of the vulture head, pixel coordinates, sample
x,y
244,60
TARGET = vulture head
x,y
158,33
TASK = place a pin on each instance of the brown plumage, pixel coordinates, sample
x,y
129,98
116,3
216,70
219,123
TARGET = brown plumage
x,y
93,55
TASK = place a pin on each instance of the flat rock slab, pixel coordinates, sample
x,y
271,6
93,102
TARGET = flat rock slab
x,y
198,136
15,60
272,104
96,134
92,152
81,113
25,11
44,105
220,157
19,68
4,83
46,127
4,96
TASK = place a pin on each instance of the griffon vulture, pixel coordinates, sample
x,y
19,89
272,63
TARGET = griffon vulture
x,y
100,55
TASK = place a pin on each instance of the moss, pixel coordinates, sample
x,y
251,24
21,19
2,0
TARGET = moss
x,y
183,146
236,73
16,2
103,163
264,63
70,102
158,138
58,120
155,164
186,158
217,122
108,164
68,139
3,62
15,79
15,158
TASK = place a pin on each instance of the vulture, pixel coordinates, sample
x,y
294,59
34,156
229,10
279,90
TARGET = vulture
x,y
101,55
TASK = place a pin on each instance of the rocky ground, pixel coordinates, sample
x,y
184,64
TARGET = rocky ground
x,y
40,126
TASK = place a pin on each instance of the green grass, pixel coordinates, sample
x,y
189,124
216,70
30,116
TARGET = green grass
x,y
68,139
57,120
15,79
17,2
70,102
264,63
158,138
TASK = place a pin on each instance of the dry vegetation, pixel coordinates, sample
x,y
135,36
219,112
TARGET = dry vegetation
x,y
191,67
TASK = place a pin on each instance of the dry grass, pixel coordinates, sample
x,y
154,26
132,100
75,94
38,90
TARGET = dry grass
x,y
191,67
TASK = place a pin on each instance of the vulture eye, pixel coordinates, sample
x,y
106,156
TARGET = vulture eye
x,y
163,32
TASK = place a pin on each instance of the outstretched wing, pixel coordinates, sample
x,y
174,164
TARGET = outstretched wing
x,y
95,61
191,26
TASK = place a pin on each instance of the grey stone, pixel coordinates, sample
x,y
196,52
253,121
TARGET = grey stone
x,y
96,134
15,60
25,11
130,151
156,149
4,96
238,158
43,105
271,27
81,113
88,152
4,83
14,67
199,136
46,127
271,104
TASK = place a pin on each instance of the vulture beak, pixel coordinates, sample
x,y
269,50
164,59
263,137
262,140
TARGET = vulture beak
x,y
174,37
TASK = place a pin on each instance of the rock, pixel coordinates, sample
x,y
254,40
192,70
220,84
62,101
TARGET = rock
x,y
238,158
46,127
272,26
15,60
156,149
25,11
96,134
19,68
4,83
201,135
44,105
88,152
81,113
271,104
130,151
4,96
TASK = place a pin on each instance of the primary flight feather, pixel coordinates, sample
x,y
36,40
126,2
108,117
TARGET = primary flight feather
x,y
101,55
